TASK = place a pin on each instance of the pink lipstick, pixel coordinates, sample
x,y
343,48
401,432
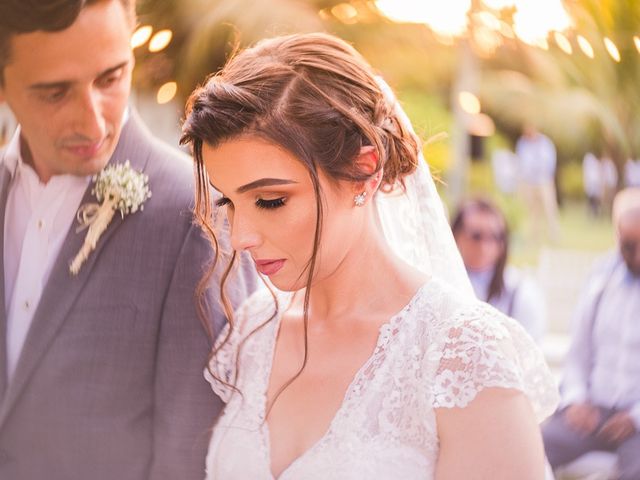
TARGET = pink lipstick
x,y
269,267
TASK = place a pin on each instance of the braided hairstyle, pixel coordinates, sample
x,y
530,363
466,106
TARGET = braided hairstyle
x,y
311,94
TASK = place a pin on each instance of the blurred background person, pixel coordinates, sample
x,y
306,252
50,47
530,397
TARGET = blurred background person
x,y
632,173
609,176
481,233
537,169
600,180
592,181
600,407
504,164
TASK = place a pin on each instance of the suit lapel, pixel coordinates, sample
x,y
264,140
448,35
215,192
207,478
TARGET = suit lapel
x,y
5,179
62,288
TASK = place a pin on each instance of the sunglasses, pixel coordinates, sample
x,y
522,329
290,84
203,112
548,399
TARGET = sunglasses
x,y
478,236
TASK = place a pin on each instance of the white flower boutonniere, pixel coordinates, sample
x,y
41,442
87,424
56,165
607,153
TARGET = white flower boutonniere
x,y
117,188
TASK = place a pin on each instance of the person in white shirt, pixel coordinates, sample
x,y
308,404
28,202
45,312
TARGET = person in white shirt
x,y
592,181
481,233
600,408
537,168
632,173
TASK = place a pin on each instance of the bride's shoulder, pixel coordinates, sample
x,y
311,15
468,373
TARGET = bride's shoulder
x,y
449,312
472,346
455,320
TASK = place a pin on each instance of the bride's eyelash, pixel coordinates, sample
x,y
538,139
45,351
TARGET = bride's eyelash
x,y
221,202
271,204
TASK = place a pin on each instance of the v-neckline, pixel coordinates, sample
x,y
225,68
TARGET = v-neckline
x,y
381,339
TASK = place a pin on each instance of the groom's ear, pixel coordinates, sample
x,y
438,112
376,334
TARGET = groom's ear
x,y
367,163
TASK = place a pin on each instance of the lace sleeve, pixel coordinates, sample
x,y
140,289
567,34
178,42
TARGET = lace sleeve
x,y
222,370
480,347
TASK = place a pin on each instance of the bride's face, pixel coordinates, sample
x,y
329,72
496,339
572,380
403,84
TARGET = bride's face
x,y
271,206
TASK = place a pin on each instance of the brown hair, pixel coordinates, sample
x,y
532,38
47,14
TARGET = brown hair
x,y
311,94
496,286
21,16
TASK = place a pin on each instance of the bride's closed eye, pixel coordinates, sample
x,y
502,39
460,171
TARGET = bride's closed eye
x,y
260,202
221,202
270,204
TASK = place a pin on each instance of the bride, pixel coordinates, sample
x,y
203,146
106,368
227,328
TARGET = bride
x,y
371,358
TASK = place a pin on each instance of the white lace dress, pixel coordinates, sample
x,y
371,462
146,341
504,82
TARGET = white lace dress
x,y
436,352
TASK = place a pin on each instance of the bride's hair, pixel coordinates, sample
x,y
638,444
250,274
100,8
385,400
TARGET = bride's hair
x,y
311,94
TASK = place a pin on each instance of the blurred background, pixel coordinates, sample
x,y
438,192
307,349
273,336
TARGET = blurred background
x,y
470,74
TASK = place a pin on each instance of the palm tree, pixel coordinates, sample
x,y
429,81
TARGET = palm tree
x,y
585,104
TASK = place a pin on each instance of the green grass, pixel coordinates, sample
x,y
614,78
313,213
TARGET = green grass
x,y
578,231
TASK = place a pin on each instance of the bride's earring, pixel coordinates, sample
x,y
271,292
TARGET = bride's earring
x,y
358,200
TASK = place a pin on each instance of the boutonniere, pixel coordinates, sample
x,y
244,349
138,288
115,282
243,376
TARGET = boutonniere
x,y
117,188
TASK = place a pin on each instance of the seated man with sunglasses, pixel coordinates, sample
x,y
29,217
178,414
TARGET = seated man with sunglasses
x,y
600,407
481,234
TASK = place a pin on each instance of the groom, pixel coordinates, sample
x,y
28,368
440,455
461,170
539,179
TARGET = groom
x,y
100,372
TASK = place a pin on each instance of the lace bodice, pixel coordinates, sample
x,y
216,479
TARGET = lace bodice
x,y
438,352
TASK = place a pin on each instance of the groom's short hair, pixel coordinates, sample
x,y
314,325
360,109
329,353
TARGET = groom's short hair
x,y
21,16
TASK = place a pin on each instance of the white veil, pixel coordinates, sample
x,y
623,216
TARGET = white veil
x,y
415,224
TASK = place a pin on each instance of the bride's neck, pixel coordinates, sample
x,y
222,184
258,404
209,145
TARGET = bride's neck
x,y
370,278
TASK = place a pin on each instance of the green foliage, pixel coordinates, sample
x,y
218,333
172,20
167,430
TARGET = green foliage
x,y
431,120
570,181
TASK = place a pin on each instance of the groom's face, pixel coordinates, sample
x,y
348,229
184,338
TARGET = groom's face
x,y
69,89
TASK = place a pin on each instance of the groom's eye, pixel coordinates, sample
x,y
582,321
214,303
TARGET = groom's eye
x,y
110,78
54,95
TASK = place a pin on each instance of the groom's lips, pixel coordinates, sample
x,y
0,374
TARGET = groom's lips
x,y
269,267
86,150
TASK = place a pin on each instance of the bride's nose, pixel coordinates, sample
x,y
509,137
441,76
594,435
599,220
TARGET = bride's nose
x,y
244,235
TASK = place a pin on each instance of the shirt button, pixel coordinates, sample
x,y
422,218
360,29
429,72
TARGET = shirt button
x,y
40,224
27,305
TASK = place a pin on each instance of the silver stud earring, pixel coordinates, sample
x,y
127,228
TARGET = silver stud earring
x,y
359,199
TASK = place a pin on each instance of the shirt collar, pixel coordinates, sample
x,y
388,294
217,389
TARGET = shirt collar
x,y
12,157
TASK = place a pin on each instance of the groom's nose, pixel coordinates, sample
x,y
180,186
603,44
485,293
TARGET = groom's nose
x,y
90,121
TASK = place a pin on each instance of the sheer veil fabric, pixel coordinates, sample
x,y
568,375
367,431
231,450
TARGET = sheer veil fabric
x,y
415,224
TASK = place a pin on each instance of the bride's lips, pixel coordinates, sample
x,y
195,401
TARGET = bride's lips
x,y
269,267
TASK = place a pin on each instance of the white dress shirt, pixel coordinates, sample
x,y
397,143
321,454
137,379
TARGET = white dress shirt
x,y
603,364
537,157
37,219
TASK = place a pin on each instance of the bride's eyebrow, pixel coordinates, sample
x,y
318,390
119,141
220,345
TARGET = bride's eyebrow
x,y
263,182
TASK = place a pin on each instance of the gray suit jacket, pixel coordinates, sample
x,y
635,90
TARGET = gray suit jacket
x,y
109,384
